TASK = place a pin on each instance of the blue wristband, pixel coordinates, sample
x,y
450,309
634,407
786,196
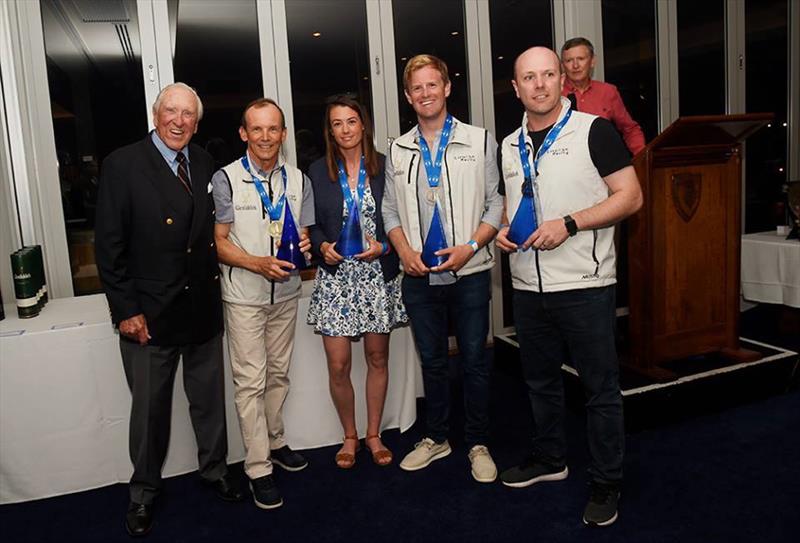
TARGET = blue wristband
x,y
385,248
474,244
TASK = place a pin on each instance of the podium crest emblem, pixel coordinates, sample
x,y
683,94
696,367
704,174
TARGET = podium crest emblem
x,y
686,188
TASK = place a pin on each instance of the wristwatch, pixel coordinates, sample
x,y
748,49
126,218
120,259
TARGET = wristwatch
x,y
572,228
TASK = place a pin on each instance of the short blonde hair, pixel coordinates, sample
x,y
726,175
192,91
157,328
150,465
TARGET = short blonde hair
x,y
421,61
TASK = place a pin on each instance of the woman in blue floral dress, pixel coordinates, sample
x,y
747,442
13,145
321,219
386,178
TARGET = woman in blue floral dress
x,y
356,296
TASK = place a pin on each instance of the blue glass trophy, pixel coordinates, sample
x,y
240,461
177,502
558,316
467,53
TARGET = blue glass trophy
x,y
351,238
290,242
435,241
351,242
524,222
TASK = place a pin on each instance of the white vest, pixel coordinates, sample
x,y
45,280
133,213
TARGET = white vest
x,y
568,182
463,188
249,231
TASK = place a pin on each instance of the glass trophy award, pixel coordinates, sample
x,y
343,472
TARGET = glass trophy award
x,y
435,241
524,222
290,242
351,239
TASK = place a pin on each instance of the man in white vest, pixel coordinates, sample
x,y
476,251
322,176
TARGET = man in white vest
x,y
441,205
573,172
256,197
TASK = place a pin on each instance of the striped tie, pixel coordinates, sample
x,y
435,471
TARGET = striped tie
x,y
183,172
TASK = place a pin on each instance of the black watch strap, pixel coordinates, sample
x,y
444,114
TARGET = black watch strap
x,y
569,222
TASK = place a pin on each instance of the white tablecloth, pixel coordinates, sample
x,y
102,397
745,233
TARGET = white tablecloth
x,y
64,402
771,269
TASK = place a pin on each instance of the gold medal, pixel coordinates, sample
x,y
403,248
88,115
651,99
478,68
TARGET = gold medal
x,y
275,229
431,196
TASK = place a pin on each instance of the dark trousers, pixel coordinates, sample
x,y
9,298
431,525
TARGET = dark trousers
x,y
466,302
576,325
150,371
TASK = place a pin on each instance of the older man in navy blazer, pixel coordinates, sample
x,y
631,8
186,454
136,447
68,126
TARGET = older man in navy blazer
x,y
158,266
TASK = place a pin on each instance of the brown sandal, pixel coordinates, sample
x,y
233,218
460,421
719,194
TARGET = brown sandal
x,y
383,457
346,460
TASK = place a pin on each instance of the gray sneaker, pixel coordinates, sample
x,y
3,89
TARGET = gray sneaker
x,y
425,452
532,471
602,507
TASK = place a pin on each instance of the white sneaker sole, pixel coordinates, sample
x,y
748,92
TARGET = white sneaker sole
x,y
560,476
264,505
433,458
491,479
287,468
605,523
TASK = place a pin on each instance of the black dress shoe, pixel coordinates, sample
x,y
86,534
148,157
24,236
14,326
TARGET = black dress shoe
x,y
139,519
228,488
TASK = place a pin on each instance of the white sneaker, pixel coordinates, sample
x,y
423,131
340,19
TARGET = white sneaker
x,y
483,468
425,452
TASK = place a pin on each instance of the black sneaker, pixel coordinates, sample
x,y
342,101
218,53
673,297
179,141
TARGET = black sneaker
x,y
288,459
531,471
602,507
265,494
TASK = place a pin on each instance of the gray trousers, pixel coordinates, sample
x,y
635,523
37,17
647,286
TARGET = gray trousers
x,y
150,371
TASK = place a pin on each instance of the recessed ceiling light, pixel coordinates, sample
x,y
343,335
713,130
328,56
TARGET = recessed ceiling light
x,y
403,58
365,78
458,74
501,57
454,33
316,34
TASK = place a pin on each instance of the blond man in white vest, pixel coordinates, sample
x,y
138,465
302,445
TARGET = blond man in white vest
x,y
255,196
446,165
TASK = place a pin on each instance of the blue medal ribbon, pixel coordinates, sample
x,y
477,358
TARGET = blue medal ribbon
x,y
433,168
552,134
274,211
360,188
525,221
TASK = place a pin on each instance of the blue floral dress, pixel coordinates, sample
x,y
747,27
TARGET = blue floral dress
x,y
356,300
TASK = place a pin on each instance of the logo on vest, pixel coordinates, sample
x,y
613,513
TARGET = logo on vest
x,y
465,158
590,276
561,151
246,207
508,174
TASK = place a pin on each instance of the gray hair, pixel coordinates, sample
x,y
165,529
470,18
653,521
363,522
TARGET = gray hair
x,y
178,85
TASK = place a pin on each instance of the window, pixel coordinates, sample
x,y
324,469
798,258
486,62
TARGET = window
x,y
515,26
94,74
766,90
629,56
701,57
216,51
327,55
435,28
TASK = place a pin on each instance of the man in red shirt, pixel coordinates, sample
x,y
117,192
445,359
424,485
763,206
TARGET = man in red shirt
x,y
597,97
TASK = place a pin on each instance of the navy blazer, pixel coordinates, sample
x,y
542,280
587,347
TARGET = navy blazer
x,y
154,244
329,214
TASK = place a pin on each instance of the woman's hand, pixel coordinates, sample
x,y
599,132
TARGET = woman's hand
x,y
374,250
329,253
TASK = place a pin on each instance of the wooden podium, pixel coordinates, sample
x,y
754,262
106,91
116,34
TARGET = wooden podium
x,y
684,244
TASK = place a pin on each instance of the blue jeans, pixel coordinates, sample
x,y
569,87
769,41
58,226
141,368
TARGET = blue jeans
x,y
577,325
429,307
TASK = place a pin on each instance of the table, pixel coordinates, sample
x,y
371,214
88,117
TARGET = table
x,y
65,404
771,269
